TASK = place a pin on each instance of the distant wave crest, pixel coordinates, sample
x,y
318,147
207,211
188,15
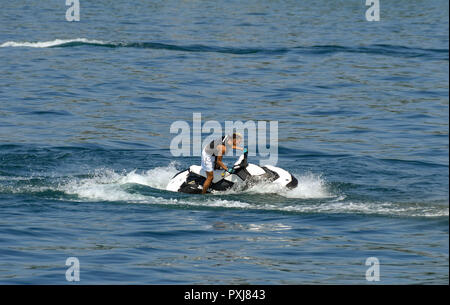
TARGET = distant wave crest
x,y
377,49
53,43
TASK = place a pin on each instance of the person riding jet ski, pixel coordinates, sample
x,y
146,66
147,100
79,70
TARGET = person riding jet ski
x,y
240,176
217,149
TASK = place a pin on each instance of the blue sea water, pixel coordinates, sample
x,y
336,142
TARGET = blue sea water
x,y
85,115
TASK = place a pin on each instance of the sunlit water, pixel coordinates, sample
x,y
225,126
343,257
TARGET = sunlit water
x,y
85,115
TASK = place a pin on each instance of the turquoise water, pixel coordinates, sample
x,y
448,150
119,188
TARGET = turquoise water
x,y
85,115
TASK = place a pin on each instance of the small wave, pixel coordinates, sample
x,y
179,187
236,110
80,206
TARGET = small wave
x,y
53,43
142,45
377,49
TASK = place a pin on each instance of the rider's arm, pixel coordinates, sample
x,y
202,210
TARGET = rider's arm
x,y
219,157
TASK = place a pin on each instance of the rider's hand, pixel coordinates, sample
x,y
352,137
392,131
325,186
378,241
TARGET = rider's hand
x,y
230,170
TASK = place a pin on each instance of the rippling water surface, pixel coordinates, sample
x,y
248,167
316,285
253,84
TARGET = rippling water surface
x,y
85,115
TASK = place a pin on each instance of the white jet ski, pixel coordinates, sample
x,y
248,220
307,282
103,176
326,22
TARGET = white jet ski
x,y
244,175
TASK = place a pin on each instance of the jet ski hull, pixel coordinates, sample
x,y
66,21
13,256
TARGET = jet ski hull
x,y
191,180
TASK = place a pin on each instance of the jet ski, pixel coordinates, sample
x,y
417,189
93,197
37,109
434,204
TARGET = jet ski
x,y
243,176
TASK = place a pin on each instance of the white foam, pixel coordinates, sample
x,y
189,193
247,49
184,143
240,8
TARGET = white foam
x,y
157,177
268,227
253,227
314,197
310,186
368,208
108,185
105,185
47,44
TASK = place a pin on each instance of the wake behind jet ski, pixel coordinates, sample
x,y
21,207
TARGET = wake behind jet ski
x,y
242,176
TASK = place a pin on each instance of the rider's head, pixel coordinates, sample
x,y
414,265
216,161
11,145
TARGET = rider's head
x,y
235,139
